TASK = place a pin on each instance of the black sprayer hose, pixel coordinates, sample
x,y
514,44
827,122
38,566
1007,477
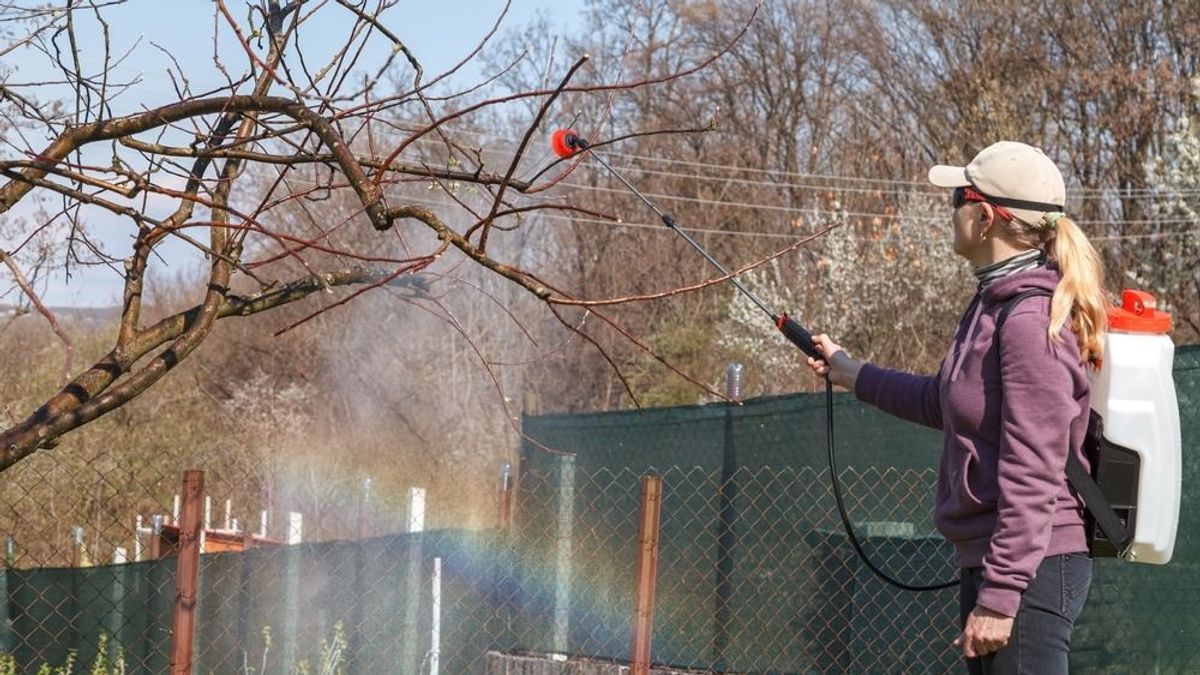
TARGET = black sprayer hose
x,y
841,506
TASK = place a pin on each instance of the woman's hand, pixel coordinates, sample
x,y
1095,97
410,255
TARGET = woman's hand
x,y
986,631
841,369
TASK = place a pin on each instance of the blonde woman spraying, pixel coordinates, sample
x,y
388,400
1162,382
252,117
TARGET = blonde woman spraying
x,y
1011,409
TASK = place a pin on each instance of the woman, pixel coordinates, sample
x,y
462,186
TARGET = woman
x,y
1010,408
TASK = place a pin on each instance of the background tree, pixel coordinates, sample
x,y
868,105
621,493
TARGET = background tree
x,y
828,115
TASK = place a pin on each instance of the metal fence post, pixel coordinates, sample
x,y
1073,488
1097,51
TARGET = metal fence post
x,y
410,654
504,508
364,509
435,637
156,542
562,578
183,623
6,637
728,517
81,557
647,574
292,561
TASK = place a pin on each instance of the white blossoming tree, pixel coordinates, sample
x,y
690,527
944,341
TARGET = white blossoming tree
x,y
872,286
1170,270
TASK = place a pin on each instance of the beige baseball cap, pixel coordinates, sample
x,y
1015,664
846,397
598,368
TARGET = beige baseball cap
x,y
1019,177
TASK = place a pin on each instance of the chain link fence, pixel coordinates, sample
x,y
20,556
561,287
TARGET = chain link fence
x,y
754,575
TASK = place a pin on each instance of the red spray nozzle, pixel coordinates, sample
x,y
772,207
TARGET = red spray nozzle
x,y
565,143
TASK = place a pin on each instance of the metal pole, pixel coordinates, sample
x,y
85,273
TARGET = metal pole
x,y
416,509
156,542
728,517
207,523
187,573
410,651
504,509
647,574
7,644
291,585
563,562
364,509
81,555
295,531
435,639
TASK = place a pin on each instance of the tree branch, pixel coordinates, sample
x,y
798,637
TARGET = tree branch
x,y
93,393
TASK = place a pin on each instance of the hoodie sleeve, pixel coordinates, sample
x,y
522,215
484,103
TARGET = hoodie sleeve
x,y
1036,411
916,398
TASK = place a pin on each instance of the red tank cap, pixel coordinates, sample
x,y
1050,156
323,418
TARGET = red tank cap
x,y
1138,314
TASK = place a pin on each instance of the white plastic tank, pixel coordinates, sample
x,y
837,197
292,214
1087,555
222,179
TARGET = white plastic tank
x,y
1135,394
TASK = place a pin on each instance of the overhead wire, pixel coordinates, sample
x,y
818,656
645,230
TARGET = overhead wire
x,y
804,175
926,192
658,227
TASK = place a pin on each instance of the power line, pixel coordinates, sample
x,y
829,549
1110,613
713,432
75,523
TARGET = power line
x,y
556,217
815,176
821,212
927,192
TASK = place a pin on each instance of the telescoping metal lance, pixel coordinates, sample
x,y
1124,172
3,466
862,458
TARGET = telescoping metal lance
x,y
566,143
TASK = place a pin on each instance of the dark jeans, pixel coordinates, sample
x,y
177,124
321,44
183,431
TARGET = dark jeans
x,y
1041,633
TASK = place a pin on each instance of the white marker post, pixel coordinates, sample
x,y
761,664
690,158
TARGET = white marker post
x,y
291,581
416,509
413,585
295,533
207,521
138,531
435,640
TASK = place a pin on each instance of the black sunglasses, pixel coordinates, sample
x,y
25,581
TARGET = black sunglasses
x,y
965,194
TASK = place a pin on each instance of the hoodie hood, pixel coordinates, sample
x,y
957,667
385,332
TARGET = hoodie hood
x,y
1043,278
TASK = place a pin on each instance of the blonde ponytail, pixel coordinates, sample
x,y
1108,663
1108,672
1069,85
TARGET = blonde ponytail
x,y
1080,296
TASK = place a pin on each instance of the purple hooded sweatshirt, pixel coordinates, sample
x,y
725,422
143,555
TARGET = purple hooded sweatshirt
x,y
1009,419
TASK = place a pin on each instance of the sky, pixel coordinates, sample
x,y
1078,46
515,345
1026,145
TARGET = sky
x,y
152,32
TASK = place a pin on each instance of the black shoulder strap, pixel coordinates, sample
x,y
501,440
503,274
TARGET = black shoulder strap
x,y
1093,497
1010,304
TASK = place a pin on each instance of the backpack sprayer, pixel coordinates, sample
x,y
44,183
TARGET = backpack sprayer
x,y
1136,440
1133,434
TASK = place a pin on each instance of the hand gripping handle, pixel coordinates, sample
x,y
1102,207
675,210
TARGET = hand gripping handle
x,y
797,335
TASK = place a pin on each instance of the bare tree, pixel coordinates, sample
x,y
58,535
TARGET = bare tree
x,y
240,167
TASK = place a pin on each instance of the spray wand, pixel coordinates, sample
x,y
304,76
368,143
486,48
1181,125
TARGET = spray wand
x,y
566,143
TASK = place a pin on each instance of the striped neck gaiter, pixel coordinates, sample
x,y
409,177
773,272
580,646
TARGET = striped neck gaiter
x,y
1034,257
